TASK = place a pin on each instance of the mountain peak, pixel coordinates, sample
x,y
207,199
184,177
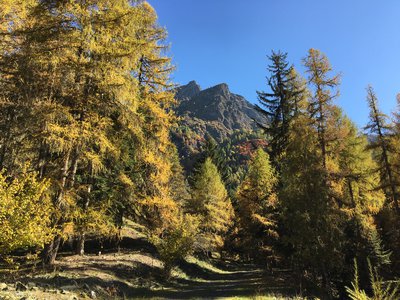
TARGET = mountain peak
x,y
185,92
223,86
192,83
216,107
219,88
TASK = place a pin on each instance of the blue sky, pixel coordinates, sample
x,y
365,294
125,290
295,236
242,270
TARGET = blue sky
x,y
214,41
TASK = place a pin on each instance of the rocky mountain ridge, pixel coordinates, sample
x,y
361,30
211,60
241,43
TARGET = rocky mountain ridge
x,y
214,111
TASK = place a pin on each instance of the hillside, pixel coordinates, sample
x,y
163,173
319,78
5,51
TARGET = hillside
x,y
134,272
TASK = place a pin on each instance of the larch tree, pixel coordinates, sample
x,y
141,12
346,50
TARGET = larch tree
x,y
78,77
178,184
362,199
311,197
324,91
311,227
380,131
257,207
95,83
299,99
384,141
211,203
328,209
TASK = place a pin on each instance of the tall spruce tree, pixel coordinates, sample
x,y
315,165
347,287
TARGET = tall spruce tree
x,y
279,103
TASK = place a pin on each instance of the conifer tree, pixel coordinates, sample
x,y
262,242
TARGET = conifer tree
x,y
257,206
344,228
76,83
178,184
300,98
380,130
362,197
211,203
318,69
311,230
278,105
312,223
356,162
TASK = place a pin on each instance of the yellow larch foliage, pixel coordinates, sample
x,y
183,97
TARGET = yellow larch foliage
x,y
257,202
211,203
25,211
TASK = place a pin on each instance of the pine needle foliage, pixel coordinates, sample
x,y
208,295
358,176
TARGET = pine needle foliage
x,y
85,96
279,104
380,290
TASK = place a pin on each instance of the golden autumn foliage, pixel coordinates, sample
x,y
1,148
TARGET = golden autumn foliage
x,y
93,111
330,194
210,202
257,205
178,241
25,212
86,100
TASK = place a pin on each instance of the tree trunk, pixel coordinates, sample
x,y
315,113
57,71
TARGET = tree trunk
x,y
385,157
51,250
353,202
81,241
80,247
74,168
64,176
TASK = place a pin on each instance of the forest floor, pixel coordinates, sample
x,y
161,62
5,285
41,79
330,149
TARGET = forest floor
x,y
135,273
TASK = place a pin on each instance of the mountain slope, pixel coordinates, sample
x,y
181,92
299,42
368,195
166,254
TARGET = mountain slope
x,y
215,111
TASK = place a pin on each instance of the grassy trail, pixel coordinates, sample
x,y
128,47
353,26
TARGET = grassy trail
x,y
136,273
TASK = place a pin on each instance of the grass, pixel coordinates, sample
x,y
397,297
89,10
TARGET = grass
x,y
136,273
128,275
206,265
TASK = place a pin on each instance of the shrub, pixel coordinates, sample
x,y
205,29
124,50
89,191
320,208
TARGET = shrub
x,y
177,242
25,213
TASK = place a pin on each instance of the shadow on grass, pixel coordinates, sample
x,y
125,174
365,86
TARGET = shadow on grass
x,y
134,280
222,285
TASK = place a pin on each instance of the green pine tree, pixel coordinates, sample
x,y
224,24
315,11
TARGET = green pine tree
x,y
279,104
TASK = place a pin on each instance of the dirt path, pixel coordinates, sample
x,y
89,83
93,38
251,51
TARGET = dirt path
x,y
136,274
243,281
